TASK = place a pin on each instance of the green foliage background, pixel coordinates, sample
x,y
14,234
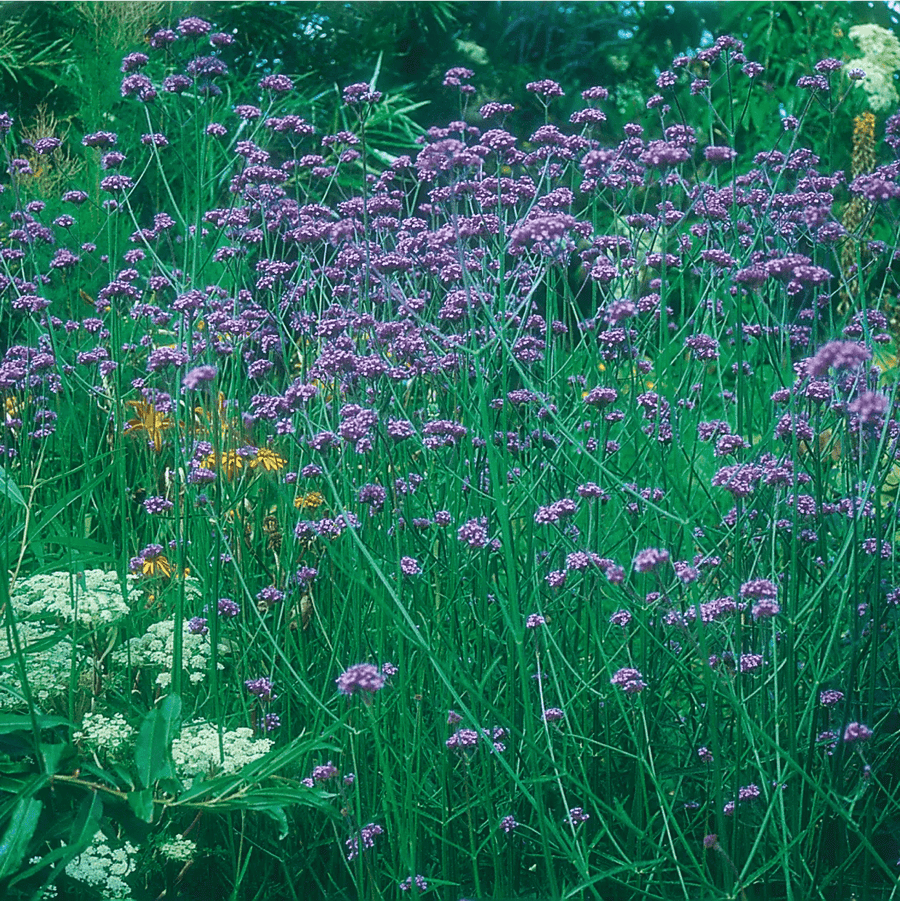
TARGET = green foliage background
x,y
64,56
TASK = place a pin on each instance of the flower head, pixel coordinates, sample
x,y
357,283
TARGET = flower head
x,y
857,732
363,677
629,680
649,559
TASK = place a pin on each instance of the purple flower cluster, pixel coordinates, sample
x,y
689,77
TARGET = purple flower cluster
x,y
360,678
650,559
363,841
261,688
593,327
629,680
857,732
561,509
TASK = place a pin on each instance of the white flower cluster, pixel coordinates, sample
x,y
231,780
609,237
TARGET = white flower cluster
x,y
105,868
155,649
880,60
196,751
49,668
110,735
178,849
92,598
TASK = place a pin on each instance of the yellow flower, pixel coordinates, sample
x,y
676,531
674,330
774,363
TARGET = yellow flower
x,y
268,460
226,426
885,357
13,407
157,566
231,462
311,501
149,420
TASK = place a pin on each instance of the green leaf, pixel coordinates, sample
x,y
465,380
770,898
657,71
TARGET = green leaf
x,y
265,800
25,788
277,814
52,754
82,832
141,803
86,824
13,723
15,840
151,752
10,489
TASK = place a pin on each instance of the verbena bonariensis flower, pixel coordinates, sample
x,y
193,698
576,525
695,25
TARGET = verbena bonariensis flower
x,y
837,355
870,406
228,608
650,559
364,841
362,677
409,566
556,511
545,88
200,375
198,626
261,688
474,533
157,505
192,26
462,739
857,732
324,772
360,93
830,697
629,680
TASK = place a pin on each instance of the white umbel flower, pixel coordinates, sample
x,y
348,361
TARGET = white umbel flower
x,y
155,648
48,664
93,598
109,735
178,849
196,751
105,868
880,60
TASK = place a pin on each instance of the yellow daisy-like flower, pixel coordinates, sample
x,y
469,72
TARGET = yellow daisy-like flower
x,y
149,420
268,460
204,419
157,566
13,407
311,501
230,463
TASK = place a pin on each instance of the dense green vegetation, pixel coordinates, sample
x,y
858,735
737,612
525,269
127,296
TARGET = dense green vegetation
x,y
449,449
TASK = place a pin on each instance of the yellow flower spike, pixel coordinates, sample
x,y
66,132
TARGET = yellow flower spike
x,y
13,407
